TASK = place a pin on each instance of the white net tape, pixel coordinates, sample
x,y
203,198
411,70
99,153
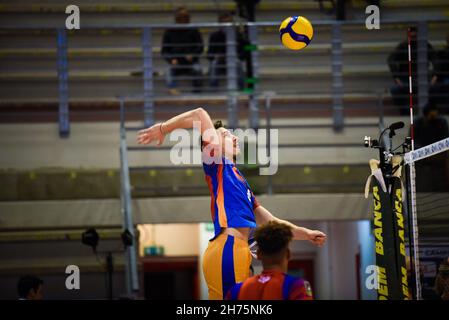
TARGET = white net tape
x,y
427,151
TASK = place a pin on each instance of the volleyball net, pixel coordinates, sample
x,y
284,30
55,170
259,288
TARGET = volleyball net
x,y
427,183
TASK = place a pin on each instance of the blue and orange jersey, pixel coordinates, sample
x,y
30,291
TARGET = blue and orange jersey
x,y
271,285
232,200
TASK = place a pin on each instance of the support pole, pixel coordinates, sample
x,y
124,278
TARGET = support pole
x,y
64,124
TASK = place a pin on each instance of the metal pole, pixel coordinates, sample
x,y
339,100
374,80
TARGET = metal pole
x,y
110,270
64,124
122,113
337,77
122,191
253,107
410,228
380,107
422,64
122,209
231,71
148,93
130,253
414,231
268,115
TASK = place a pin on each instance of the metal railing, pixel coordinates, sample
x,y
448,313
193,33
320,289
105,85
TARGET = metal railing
x,y
325,69
131,269
151,78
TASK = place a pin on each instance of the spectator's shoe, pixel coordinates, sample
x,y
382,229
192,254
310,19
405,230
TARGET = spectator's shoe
x,y
174,92
136,73
139,73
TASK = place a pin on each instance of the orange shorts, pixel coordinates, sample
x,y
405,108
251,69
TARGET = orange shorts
x,y
226,262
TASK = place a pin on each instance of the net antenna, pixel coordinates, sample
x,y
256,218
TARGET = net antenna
x,y
414,218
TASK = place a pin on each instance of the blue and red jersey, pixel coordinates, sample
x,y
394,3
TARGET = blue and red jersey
x,y
271,285
232,200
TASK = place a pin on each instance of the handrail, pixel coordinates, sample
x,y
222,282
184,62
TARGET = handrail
x,y
216,24
132,281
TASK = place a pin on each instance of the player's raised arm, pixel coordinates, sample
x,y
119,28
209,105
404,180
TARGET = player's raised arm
x,y
184,120
299,233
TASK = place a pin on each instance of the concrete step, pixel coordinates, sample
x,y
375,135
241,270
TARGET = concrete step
x,y
306,106
109,37
198,6
95,145
142,13
121,72
96,85
104,52
71,184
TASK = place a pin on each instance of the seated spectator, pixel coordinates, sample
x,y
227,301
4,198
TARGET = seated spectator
x,y
398,63
439,90
30,288
442,281
426,293
431,127
247,9
181,48
216,53
432,174
273,283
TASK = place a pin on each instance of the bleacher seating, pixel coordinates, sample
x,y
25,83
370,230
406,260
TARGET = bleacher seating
x,y
103,62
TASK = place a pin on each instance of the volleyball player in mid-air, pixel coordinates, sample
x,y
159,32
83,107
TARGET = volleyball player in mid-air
x,y
234,209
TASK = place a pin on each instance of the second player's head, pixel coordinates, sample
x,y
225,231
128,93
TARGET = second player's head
x,y
273,241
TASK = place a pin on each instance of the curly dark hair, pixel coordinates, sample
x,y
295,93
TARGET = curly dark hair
x,y
273,237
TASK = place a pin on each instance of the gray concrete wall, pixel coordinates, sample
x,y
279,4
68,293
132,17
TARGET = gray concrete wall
x,y
96,145
24,215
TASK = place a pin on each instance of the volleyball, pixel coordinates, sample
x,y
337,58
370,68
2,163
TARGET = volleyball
x,y
296,32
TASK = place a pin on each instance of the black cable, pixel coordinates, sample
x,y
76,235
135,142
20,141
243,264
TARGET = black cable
x,y
394,169
104,270
98,259
398,147
382,133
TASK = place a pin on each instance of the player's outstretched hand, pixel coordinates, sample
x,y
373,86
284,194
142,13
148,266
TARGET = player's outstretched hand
x,y
318,238
153,133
